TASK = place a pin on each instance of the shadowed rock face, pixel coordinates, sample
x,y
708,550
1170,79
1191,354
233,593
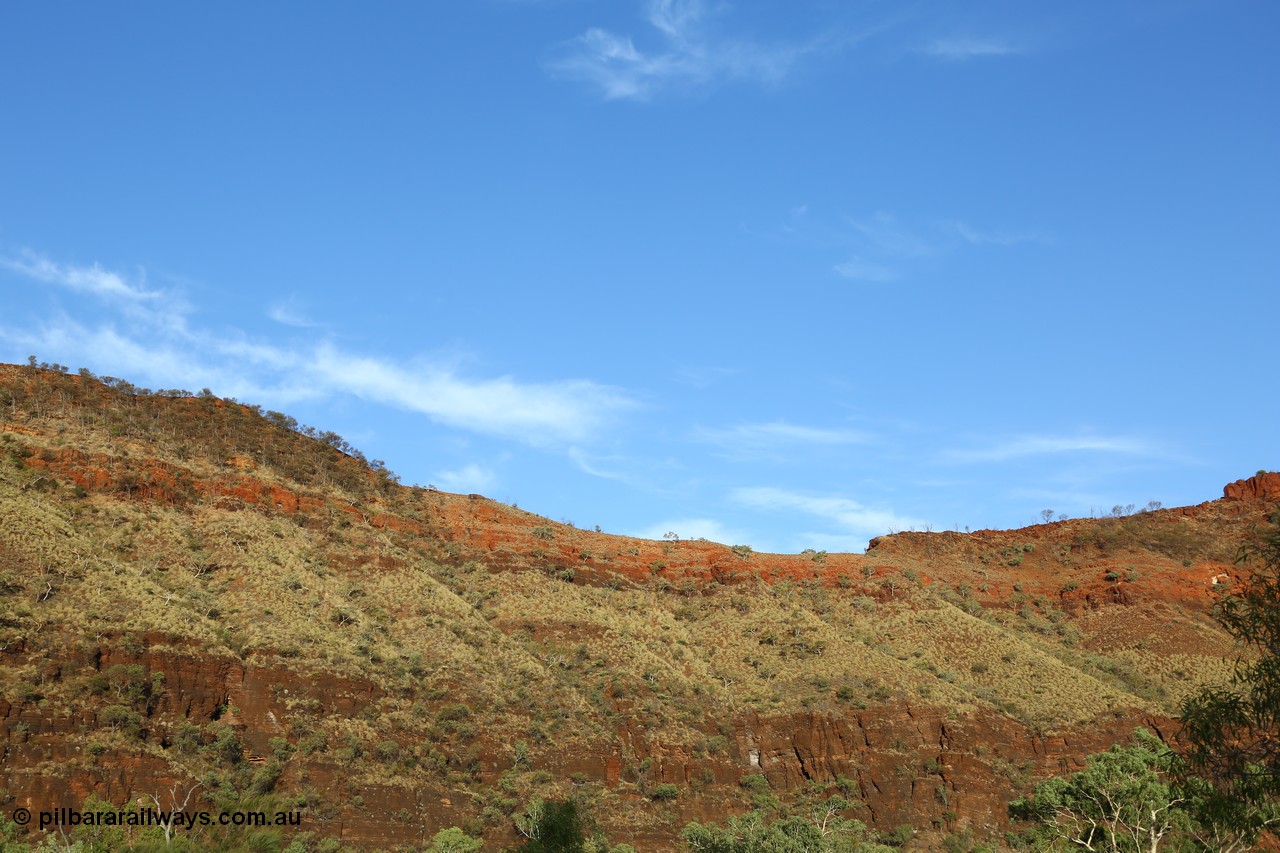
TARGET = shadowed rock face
x,y
147,575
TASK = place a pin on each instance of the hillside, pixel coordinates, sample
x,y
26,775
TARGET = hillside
x,y
195,595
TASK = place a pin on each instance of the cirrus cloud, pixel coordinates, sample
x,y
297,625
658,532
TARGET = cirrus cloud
x,y
1036,445
691,52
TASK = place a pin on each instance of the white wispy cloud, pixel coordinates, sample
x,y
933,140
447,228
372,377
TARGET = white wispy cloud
x,y
661,476
597,466
287,313
691,52
471,478
993,237
889,249
854,521
569,410
1037,445
761,435
860,269
967,47
91,279
892,237
694,528
167,352
703,376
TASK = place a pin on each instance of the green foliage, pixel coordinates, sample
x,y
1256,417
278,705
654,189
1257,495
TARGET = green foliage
x,y
1234,732
227,748
663,792
92,839
1134,799
553,827
187,738
265,778
454,840
964,842
388,751
1122,802
281,749
825,831
900,835
123,719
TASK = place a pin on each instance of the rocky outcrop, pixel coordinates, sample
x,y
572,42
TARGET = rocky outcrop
x,y
1263,486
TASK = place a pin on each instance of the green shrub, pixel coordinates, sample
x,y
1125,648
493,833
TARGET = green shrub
x,y
188,739
901,835
122,719
226,747
387,751
664,792
454,840
1123,793
552,827
265,779
823,832
452,712
281,749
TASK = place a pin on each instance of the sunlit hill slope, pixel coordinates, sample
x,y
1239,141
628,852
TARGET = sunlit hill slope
x,y
194,594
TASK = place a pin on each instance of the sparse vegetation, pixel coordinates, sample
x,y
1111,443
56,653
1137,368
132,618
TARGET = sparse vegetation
x,y
822,830
208,534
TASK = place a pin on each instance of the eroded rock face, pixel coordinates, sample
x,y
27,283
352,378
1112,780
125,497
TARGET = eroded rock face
x,y
914,761
907,763
199,689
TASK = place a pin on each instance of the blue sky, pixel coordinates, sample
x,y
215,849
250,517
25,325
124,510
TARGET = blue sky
x,y
790,275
